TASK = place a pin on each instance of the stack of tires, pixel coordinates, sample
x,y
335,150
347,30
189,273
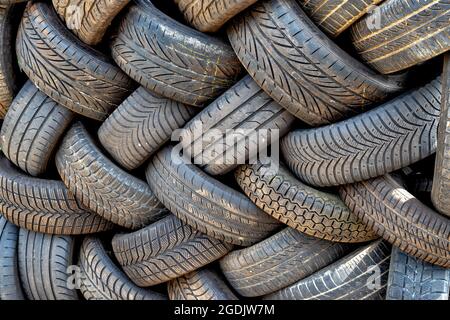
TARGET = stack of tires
x,y
96,202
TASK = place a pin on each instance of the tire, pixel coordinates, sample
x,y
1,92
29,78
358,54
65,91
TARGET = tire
x,y
102,186
95,17
44,262
205,203
399,218
278,261
390,137
246,110
211,15
200,285
171,59
103,280
413,279
44,206
32,128
165,250
402,37
336,16
301,68
10,287
141,125
345,279
71,73
313,212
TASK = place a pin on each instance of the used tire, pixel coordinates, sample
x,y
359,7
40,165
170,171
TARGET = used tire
x,y
403,33
278,261
398,217
165,250
73,74
301,68
390,137
102,186
32,128
141,125
171,59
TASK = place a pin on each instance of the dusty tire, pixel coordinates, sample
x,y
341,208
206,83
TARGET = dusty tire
x,y
102,186
141,125
313,212
390,137
211,15
409,32
346,279
300,68
32,128
165,250
200,285
171,59
103,280
205,203
71,73
279,261
93,18
413,279
243,107
400,219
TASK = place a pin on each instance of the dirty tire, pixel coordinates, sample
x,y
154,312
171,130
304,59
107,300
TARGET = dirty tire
x,y
10,287
171,59
96,17
301,68
165,250
387,138
43,264
32,128
103,280
141,125
243,107
102,186
211,15
403,38
313,212
394,214
279,261
71,73
346,279
199,285
205,203
413,279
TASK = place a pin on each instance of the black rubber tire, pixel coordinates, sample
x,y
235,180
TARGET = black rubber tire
x,y
200,285
413,279
44,206
32,128
313,212
205,203
247,110
102,186
103,280
395,215
278,261
10,287
171,59
346,279
165,250
141,125
73,74
390,137
403,33
301,68
43,265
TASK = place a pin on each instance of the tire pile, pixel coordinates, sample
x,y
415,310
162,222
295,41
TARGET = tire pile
x,y
95,206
